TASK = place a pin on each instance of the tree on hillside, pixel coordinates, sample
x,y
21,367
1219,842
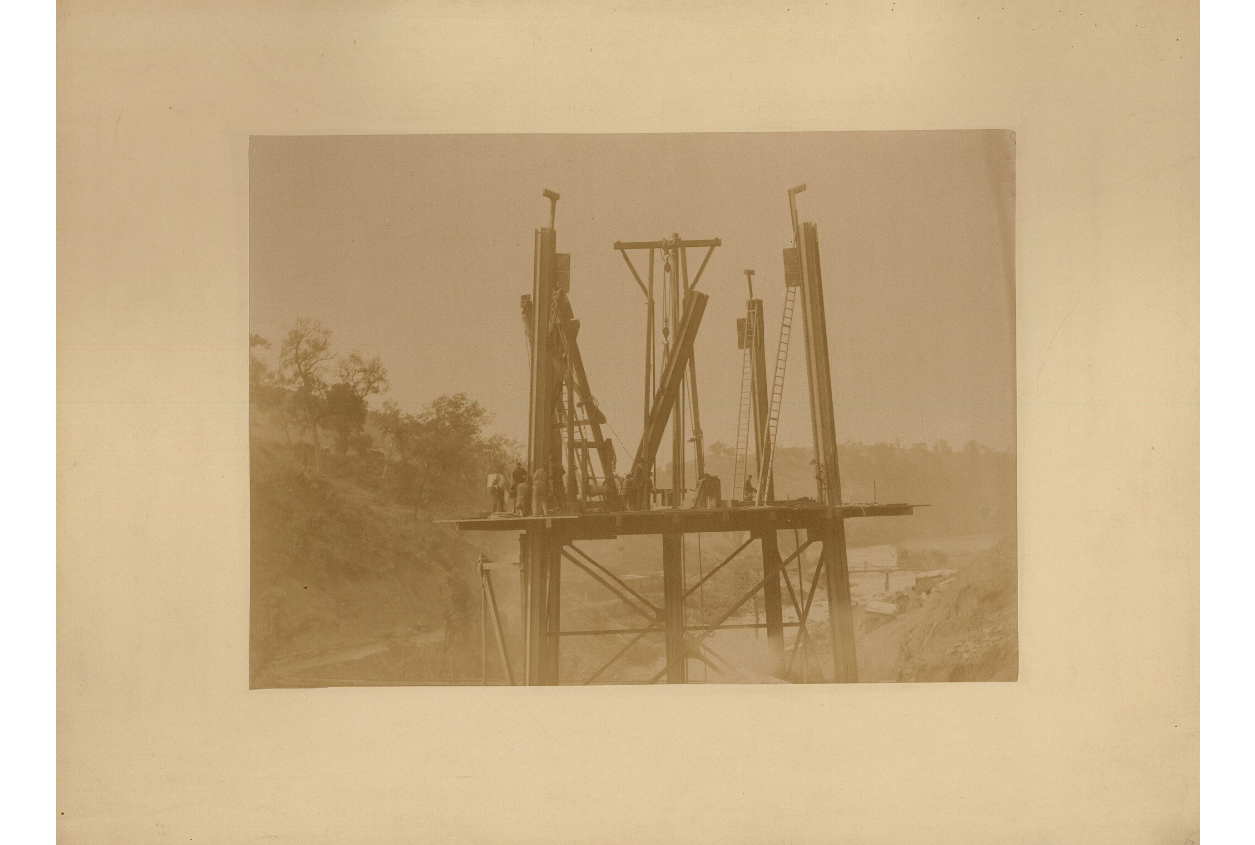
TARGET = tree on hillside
x,y
500,453
398,427
346,400
345,414
303,358
446,439
365,378
445,454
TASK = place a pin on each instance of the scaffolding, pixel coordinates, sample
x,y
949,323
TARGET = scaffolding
x,y
564,439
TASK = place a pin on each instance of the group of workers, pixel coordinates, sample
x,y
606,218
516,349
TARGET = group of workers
x,y
539,493
543,491
521,493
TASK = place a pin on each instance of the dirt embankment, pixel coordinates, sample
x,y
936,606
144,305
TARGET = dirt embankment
x,y
348,586
963,630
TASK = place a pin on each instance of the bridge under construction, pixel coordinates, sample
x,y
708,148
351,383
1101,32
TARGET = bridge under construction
x,y
588,499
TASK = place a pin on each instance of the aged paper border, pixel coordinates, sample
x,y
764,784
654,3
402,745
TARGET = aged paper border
x,y
159,737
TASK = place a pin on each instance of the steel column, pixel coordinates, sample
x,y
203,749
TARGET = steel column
x,y
673,606
824,429
772,604
699,453
759,392
649,336
840,616
677,416
553,616
815,325
540,420
540,564
535,577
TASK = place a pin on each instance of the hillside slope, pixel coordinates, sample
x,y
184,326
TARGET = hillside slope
x,y
963,630
348,586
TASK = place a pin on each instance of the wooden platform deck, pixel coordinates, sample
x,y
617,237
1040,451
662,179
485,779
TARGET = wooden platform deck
x,y
607,525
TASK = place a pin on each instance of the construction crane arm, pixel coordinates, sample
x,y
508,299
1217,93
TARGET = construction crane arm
x,y
672,380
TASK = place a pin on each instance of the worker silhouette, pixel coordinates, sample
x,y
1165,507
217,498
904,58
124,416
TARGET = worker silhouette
x,y
748,490
518,476
540,492
523,497
497,491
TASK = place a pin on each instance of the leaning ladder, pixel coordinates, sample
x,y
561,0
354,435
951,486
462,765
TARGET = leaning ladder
x,y
777,392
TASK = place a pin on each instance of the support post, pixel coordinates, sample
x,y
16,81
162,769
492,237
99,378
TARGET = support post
x,y
499,633
649,339
483,625
818,368
534,577
840,616
758,394
772,603
540,566
553,616
541,418
673,606
538,557
699,452
805,256
523,594
677,417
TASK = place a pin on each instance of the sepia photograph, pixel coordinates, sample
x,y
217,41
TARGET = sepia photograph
x,y
632,409
490,422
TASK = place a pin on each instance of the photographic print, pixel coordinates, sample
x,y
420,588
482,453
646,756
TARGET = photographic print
x,y
632,409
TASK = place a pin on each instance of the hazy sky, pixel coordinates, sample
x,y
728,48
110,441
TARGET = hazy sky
x,y
417,248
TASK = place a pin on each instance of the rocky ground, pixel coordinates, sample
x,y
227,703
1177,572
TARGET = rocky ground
x,y
964,629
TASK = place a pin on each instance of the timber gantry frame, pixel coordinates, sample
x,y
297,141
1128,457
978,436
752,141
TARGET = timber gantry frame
x,y
581,497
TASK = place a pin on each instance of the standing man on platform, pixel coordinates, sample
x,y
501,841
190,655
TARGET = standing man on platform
x,y
557,485
523,497
518,476
748,491
496,491
540,492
